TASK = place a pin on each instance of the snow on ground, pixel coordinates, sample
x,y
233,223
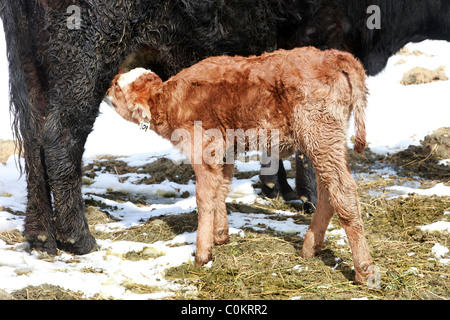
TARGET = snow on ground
x,y
397,116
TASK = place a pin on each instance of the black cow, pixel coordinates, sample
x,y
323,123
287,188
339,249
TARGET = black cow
x,y
63,55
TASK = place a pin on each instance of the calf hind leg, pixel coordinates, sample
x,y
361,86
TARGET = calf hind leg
x,y
221,232
345,201
316,232
337,193
343,198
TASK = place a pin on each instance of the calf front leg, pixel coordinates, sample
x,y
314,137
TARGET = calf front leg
x,y
208,181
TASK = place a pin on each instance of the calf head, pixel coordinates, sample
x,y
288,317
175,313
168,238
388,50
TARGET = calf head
x,y
130,92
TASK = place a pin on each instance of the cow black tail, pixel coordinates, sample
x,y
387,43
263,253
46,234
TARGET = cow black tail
x,y
23,73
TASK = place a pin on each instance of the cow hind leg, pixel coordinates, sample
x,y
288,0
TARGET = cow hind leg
x,y
305,182
38,228
276,185
63,158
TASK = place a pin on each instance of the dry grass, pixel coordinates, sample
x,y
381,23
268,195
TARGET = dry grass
x,y
268,265
264,266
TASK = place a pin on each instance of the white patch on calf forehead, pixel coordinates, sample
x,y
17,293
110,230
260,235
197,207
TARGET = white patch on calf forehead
x,y
131,76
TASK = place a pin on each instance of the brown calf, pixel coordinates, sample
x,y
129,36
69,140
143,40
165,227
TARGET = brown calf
x,y
306,94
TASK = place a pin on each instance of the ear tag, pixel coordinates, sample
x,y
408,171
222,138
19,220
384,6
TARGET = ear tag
x,y
145,125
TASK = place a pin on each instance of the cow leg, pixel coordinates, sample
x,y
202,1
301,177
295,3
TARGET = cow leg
x,y
63,158
305,182
28,105
81,66
221,230
38,229
276,185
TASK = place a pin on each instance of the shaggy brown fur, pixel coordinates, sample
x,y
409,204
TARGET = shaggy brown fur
x,y
305,93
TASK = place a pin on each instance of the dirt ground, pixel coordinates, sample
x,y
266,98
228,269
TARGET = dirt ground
x,y
422,75
7,148
266,264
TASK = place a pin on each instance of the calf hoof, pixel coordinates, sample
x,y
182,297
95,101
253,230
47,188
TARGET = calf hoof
x,y
200,261
366,273
202,258
310,252
221,237
311,245
307,254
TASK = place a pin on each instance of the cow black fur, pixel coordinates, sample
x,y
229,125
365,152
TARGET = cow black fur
x,y
59,75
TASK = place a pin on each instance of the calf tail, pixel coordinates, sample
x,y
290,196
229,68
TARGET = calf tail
x,y
359,104
356,79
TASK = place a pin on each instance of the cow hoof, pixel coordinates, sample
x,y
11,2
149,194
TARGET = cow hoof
x,y
289,195
41,242
308,206
80,246
270,190
48,246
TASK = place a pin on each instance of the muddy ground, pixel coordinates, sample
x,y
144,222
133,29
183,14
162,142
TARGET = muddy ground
x,y
265,264
7,148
